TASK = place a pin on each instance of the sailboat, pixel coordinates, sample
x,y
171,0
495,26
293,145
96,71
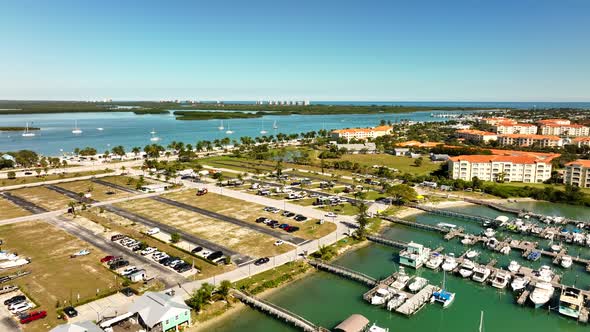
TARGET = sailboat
x,y
221,127
154,138
263,132
28,133
153,132
481,322
229,131
274,125
442,296
76,130
100,129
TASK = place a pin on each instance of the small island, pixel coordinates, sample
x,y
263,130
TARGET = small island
x,y
18,128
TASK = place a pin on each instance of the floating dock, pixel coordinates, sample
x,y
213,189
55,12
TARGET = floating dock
x,y
417,301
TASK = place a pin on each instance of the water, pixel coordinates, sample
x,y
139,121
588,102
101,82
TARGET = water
x,y
434,104
131,130
327,299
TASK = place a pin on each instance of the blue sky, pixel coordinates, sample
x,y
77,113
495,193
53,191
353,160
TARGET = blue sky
x,y
501,50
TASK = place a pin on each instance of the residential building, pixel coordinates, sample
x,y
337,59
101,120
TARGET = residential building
x,y
529,169
577,173
528,140
581,141
417,144
161,312
415,255
572,130
155,188
476,135
361,133
562,122
86,326
439,157
401,152
510,127
365,148
493,121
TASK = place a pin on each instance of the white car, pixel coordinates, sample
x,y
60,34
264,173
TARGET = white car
x,y
331,215
148,251
153,231
24,306
128,270
279,242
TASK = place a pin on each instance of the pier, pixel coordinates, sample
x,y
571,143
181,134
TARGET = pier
x,y
417,301
278,312
417,225
387,242
344,272
452,214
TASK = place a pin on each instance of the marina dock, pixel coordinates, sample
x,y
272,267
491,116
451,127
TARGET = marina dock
x,y
417,301
344,272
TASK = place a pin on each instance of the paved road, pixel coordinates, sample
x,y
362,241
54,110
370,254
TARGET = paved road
x,y
71,194
23,203
255,227
235,256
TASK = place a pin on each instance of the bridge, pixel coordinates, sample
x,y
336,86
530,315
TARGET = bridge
x,y
345,272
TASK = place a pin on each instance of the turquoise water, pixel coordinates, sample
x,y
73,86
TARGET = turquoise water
x,y
130,130
326,299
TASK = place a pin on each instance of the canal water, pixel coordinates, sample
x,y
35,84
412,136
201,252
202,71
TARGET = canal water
x,y
129,129
326,299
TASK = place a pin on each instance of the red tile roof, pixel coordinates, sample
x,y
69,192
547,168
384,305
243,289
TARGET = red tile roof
x,y
582,162
548,137
498,158
475,132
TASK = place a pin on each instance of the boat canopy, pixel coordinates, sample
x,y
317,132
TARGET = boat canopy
x,y
443,295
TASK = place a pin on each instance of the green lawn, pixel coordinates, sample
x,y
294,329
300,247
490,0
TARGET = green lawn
x,y
50,177
403,164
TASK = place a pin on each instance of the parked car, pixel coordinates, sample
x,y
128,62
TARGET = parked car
x,y
136,247
331,215
15,299
165,260
175,262
127,291
106,259
283,226
172,260
196,250
18,308
128,271
153,231
261,261
292,229
260,219
215,255
147,251
300,218
33,316
70,312
184,267
274,210
279,242
119,264
117,237
202,191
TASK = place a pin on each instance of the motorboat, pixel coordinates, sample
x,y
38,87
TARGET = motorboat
x,y
520,282
402,279
541,294
534,256
435,261
417,284
466,268
446,225
471,254
381,296
489,232
76,130
513,266
505,250
467,240
571,302
501,220
397,300
492,243
556,247
375,328
450,263
481,274
100,129
544,273
501,279
566,261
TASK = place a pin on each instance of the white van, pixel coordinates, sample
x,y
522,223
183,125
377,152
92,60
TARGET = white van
x,y
153,231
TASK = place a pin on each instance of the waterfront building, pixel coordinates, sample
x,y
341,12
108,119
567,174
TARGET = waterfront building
x,y
528,140
577,173
508,168
476,135
161,312
581,141
572,130
511,127
415,255
361,133
493,121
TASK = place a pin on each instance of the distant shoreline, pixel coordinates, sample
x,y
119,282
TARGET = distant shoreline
x,y
18,128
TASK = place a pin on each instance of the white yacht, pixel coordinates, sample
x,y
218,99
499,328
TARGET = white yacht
x,y
154,138
466,268
467,240
505,250
450,263
262,131
27,132
417,284
519,282
541,294
566,261
381,296
221,127
571,302
229,131
435,261
76,130
545,274
100,128
514,266
375,328
490,232
402,279
501,279
471,254
556,247
492,243
481,274
397,300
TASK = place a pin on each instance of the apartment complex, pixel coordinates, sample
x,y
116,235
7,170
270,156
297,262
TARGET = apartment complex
x,y
493,121
571,130
476,135
527,168
511,127
577,173
361,133
562,122
529,140
581,141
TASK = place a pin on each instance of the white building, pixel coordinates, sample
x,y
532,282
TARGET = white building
x,y
161,312
523,168
510,127
361,133
572,130
581,141
528,140
476,135
577,173
86,326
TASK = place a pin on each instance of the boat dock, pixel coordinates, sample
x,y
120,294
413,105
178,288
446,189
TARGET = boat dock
x,y
393,243
344,272
453,214
417,224
417,301
278,312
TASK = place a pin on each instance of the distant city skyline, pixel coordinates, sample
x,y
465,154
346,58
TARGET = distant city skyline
x,y
455,51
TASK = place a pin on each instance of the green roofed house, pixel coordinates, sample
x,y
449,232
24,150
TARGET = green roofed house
x,y
77,327
161,312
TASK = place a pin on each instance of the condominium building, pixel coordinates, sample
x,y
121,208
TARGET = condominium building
x,y
361,133
493,121
529,169
510,127
581,141
572,130
476,135
562,122
528,140
577,173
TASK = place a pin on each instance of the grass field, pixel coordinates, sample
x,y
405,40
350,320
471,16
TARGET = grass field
x,y
43,197
240,239
98,191
248,211
10,210
403,164
125,181
35,179
55,277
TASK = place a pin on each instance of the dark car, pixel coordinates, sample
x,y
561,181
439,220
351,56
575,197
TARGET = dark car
x,y
261,261
136,247
117,237
292,229
127,291
290,215
166,260
180,268
295,183
118,264
283,226
300,218
260,219
215,255
15,299
172,259
196,250
285,213
70,312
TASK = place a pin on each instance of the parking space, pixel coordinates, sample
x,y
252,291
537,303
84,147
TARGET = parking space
x,y
11,313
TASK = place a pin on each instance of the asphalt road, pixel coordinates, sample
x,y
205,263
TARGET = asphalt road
x,y
23,203
255,227
70,194
237,258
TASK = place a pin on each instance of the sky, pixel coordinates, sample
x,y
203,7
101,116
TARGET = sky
x,y
364,50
